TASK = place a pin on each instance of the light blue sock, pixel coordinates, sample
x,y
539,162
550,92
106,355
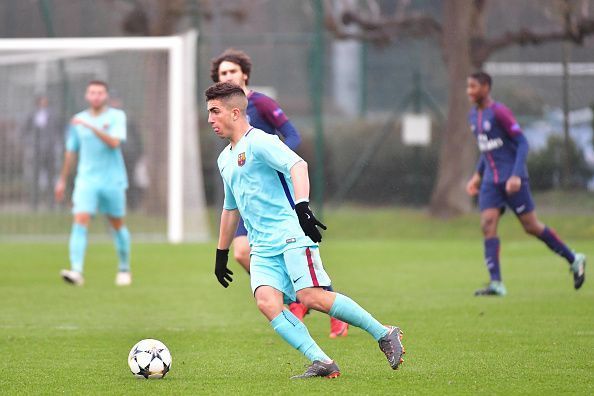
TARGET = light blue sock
x,y
295,333
121,239
349,311
77,247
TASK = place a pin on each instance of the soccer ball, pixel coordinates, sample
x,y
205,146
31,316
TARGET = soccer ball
x,y
149,359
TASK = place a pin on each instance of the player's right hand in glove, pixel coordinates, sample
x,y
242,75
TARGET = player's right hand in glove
x,y
308,222
223,273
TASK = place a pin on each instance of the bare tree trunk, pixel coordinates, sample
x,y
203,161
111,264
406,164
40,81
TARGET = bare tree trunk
x,y
166,15
155,124
457,152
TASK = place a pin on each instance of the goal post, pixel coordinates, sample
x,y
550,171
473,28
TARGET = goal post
x,y
186,213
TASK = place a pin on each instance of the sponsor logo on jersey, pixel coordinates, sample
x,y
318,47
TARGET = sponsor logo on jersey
x,y
486,125
485,144
241,159
291,240
277,112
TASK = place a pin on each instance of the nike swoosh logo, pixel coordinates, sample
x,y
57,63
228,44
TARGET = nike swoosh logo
x,y
295,280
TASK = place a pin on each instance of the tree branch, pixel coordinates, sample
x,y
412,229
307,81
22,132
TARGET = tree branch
x,y
483,49
413,25
378,29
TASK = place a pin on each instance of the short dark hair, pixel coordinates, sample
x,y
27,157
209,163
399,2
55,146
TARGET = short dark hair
x,y
235,56
224,91
98,82
483,78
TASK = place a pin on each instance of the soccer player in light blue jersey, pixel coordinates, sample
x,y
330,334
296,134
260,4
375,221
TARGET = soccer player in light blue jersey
x,y
265,114
94,138
269,185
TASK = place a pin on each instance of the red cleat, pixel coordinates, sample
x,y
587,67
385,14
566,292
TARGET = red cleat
x,y
338,328
298,310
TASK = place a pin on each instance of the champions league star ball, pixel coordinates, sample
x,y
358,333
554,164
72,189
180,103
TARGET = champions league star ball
x,y
149,359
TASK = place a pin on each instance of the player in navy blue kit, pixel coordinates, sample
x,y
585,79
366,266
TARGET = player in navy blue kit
x,y
265,114
501,179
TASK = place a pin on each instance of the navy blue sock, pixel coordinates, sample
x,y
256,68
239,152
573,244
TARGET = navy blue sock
x,y
554,243
492,258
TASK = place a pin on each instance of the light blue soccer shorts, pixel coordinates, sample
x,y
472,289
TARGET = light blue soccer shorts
x,y
107,200
295,269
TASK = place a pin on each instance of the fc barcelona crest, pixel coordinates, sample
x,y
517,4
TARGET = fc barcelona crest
x,y
241,159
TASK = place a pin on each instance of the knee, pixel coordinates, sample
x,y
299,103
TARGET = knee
x,y
82,219
268,306
308,298
488,226
242,256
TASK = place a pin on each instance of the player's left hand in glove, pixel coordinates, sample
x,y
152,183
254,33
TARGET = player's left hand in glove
x,y
308,222
223,273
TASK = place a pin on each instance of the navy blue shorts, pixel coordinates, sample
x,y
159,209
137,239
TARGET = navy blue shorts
x,y
493,195
241,230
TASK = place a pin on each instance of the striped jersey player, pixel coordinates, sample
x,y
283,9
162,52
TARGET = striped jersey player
x,y
501,180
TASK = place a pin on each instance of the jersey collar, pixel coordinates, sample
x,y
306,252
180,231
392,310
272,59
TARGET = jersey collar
x,y
244,135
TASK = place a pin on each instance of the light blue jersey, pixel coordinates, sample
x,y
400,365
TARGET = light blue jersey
x,y
257,178
99,164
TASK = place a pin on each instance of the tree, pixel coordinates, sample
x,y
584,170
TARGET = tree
x,y
162,18
462,34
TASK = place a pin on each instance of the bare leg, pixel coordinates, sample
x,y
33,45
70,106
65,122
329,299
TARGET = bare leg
x,y
241,252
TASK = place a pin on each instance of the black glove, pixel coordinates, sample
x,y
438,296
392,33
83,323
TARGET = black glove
x,y
308,222
223,273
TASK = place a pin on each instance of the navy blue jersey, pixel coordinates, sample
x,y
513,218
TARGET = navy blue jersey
x,y
500,140
265,114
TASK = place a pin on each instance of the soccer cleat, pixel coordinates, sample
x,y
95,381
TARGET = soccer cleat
x,y
72,277
338,328
320,369
391,346
578,267
123,279
298,310
494,288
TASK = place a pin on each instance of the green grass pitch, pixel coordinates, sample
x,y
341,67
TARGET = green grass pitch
x,y
405,269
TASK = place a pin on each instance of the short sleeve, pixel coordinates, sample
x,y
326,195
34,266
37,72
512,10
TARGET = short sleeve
x,y
118,127
270,150
506,119
270,111
229,202
72,141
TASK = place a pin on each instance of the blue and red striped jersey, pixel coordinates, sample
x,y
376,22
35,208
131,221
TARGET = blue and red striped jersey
x,y
265,114
501,143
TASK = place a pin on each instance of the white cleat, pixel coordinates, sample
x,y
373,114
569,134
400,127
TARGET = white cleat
x,y
123,279
72,277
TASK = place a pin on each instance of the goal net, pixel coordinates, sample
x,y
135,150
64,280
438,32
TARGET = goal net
x,y
153,80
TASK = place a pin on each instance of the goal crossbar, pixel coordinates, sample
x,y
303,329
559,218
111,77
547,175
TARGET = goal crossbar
x,y
179,48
